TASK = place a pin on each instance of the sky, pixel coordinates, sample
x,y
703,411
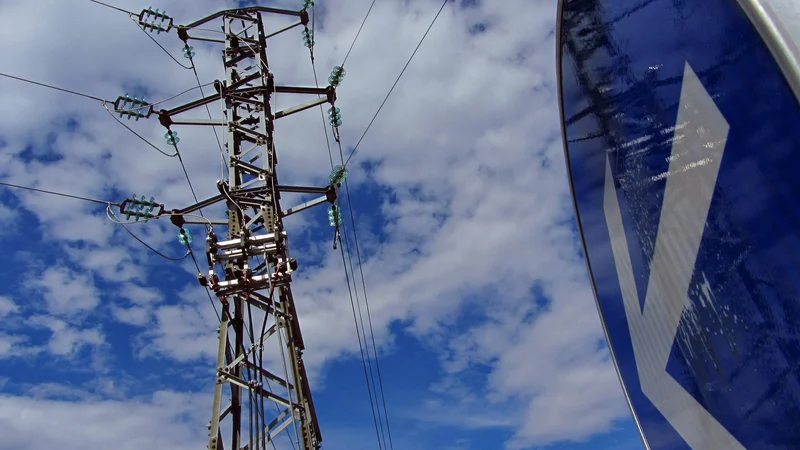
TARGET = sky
x,y
483,316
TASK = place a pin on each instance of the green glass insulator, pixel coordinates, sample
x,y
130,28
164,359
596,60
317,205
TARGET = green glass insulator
x,y
150,205
172,137
334,216
338,72
184,237
338,175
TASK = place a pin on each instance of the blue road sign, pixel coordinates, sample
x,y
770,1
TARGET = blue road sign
x,y
681,126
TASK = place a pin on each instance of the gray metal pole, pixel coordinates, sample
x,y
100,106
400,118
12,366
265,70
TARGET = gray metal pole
x,y
257,267
250,272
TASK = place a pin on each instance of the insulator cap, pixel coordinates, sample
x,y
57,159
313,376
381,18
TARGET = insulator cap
x,y
334,116
184,236
338,175
334,216
308,37
153,20
140,208
337,75
172,137
132,107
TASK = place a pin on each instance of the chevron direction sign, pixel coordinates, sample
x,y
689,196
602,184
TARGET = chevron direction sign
x,y
681,127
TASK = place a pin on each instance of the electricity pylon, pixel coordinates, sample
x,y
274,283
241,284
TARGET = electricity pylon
x,y
250,270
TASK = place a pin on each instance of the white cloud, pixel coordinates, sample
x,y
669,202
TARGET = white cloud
x,y
135,315
9,345
114,264
65,291
7,217
185,331
140,295
66,340
30,423
56,391
7,306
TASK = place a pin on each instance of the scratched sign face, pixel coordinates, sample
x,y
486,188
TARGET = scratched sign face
x,y
682,139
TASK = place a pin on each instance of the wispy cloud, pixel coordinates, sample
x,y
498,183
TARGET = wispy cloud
x,y
66,340
66,292
7,306
34,423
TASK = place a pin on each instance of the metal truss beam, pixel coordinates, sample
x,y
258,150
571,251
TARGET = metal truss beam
x,y
250,269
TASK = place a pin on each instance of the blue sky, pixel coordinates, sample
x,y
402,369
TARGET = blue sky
x,y
483,316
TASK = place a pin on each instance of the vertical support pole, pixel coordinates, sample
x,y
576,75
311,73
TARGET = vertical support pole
x,y
213,429
234,229
253,216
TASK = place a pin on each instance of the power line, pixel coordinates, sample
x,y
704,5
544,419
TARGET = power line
x,y
363,283
364,333
183,166
113,7
366,302
369,315
191,253
133,16
208,111
110,213
358,32
361,347
44,191
159,44
105,105
322,115
396,81
355,321
137,134
199,86
54,87
360,315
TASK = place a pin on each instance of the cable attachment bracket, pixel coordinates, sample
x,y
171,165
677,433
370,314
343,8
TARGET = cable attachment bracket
x,y
336,237
337,75
338,175
308,37
153,20
135,107
335,118
141,209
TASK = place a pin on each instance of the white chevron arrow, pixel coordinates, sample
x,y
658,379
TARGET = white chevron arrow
x,y
697,149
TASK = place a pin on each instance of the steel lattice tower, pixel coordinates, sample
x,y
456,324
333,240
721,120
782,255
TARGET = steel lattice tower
x,y
250,270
